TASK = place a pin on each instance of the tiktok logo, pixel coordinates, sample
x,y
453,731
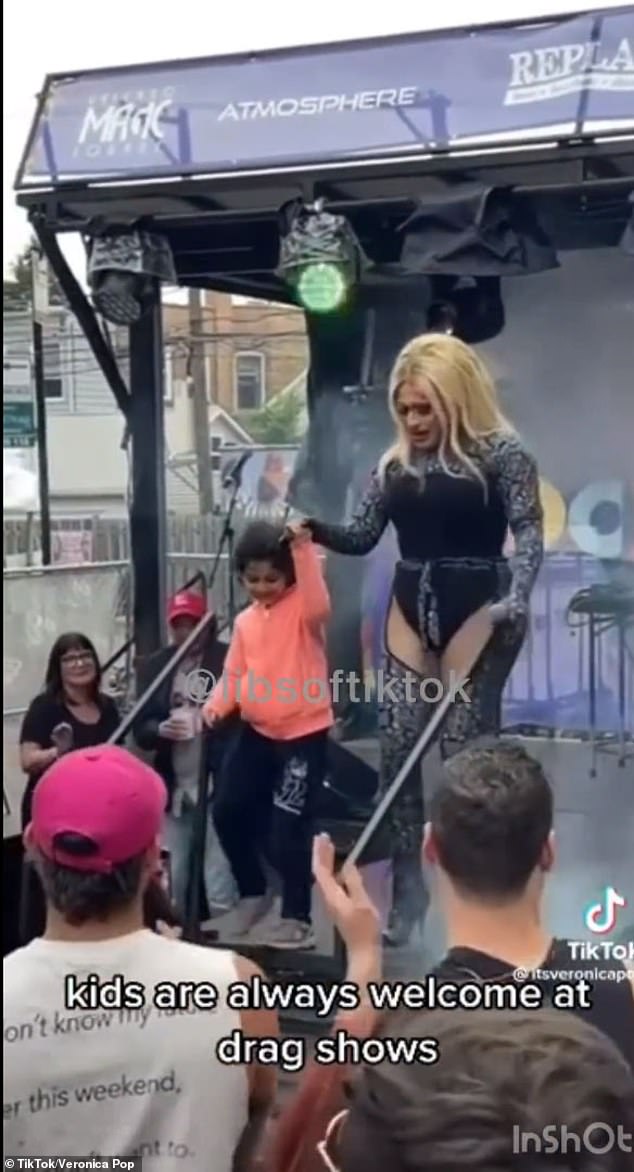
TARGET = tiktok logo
x,y
600,918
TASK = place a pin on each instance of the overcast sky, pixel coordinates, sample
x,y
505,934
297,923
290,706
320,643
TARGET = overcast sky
x,y
72,35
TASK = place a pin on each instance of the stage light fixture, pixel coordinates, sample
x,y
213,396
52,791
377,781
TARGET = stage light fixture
x,y
125,269
321,259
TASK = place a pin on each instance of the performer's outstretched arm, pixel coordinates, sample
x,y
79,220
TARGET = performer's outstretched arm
x,y
365,529
518,480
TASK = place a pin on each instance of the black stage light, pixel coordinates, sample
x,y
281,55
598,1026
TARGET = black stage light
x,y
320,256
125,269
465,228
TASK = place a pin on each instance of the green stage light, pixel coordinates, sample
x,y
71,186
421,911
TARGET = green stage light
x,y
322,287
321,259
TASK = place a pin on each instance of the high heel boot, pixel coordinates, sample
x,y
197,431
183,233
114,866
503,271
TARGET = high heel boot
x,y
410,900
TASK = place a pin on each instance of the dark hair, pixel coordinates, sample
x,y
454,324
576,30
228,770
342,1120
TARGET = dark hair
x,y
501,1079
491,817
70,641
262,542
80,896
157,905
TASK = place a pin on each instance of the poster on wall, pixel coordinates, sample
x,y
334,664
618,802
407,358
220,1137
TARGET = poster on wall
x,y
264,481
72,547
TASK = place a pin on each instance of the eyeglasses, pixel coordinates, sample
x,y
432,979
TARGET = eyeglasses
x,y
329,1142
76,658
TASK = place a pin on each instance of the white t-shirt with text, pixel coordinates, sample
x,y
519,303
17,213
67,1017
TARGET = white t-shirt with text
x,y
137,1082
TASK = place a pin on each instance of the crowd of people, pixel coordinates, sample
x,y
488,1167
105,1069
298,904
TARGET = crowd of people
x,y
88,1074
179,1065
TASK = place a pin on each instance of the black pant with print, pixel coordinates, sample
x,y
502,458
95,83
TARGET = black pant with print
x,y
264,808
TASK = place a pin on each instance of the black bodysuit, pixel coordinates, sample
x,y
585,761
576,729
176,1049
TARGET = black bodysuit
x,y
451,529
451,526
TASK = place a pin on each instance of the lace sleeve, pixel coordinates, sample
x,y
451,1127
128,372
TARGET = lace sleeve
x,y
518,481
365,529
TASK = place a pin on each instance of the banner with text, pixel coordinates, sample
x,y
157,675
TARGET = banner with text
x,y
377,99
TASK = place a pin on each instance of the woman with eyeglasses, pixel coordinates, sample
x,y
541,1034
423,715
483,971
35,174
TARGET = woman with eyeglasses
x,y
70,713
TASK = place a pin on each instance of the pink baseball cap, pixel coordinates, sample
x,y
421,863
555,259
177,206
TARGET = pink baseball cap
x,y
104,796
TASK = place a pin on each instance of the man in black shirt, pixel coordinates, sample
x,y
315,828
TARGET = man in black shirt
x,y
490,840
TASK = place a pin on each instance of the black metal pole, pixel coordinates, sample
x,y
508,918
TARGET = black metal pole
x,y
42,441
231,586
198,843
196,869
148,508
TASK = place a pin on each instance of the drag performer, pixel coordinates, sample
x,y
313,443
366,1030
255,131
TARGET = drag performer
x,y
456,479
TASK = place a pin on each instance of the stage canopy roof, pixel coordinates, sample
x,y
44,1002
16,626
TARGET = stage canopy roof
x,y
209,150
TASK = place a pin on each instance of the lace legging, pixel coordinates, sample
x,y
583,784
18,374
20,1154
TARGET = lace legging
x,y
404,714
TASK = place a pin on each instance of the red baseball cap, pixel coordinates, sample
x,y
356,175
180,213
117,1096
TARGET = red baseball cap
x,y
105,796
187,604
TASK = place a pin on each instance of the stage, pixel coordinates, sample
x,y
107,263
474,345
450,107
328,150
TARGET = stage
x,y
594,827
549,298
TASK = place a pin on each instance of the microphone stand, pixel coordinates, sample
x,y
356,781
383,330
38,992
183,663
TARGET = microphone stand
x,y
228,535
196,862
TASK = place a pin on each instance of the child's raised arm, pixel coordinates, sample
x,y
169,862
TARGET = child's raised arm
x,y
311,584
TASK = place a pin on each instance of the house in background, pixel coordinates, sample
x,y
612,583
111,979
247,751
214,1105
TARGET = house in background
x,y
253,350
181,484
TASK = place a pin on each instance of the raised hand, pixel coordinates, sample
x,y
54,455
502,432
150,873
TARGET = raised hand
x,y
297,532
347,901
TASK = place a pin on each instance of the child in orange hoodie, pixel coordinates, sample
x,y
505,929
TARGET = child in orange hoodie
x,y
276,675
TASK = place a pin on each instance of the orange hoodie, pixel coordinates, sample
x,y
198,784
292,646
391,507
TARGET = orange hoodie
x,y
276,670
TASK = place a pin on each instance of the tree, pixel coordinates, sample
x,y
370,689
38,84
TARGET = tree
x,y
17,291
279,421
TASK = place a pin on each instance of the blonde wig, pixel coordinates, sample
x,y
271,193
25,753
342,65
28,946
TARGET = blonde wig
x,y
462,392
